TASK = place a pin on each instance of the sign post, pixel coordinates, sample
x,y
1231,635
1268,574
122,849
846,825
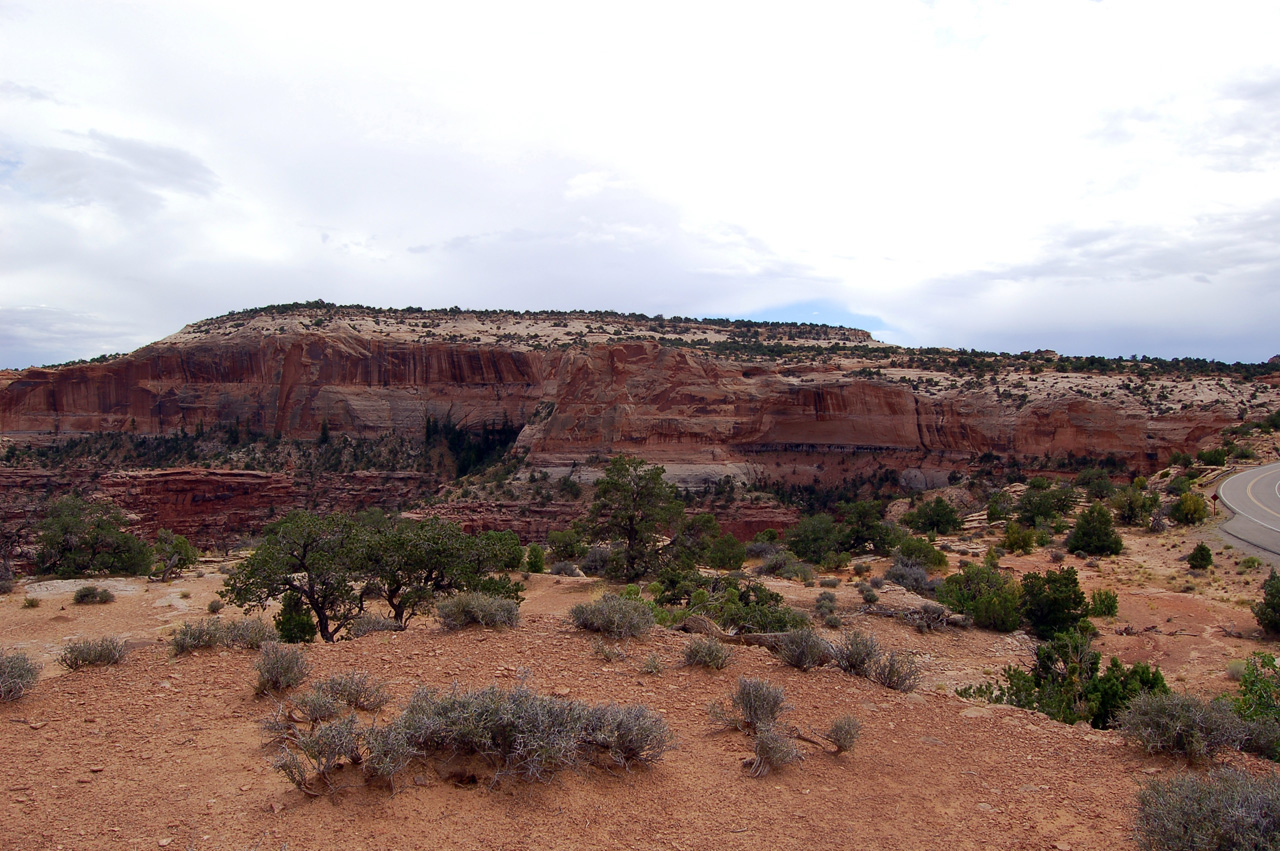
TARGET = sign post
x,y
1215,504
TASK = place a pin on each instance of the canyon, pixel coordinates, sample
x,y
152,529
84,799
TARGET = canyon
x,y
757,402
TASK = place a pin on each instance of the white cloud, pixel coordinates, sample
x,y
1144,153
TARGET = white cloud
x,y
971,172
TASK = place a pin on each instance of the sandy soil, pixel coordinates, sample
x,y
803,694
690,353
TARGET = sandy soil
x,y
165,752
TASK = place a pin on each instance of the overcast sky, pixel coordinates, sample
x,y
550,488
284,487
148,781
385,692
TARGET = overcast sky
x,y
1091,177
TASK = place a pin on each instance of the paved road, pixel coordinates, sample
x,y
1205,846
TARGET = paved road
x,y
1254,497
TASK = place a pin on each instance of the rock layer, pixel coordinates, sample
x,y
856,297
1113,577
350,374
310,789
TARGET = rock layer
x,y
702,416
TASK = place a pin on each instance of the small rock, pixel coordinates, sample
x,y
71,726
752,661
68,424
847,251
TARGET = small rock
x,y
930,740
1062,846
985,807
97,769
39,725
977,712
165,843
84,779
277,807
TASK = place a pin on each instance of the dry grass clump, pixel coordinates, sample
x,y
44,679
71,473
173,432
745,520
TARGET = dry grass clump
x,y
249,633
1182,724
369,624
90,652
17,674
843,733
1227,810
473,607
855,653
280,667
707,652
614,616
356,689
896,670
754,705
523,734
91,594
772,750
803,649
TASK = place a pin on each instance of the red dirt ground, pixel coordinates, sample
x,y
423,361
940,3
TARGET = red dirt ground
x,y
165,752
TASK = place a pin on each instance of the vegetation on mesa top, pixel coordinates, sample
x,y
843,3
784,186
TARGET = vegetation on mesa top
x,y
757,338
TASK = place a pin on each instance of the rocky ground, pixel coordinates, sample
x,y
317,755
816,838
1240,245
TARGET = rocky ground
x,y
165,752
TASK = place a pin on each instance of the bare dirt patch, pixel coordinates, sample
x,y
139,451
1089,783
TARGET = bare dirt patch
x,y
169,749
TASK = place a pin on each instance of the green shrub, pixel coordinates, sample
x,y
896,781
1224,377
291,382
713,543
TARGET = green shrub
x,y
707,652
216,605
855,653
1064,683
987,595
1094,533
30,602
1267,610
613,616
17,674
1181,723
1224,810
813,536
1190,509
294,622
803,649
1212,457
91,594
921,552
1178,486
1052,601
1018,538
825,604
829,582
280,667
1249,564
87,652
754,706
1259,695
1096,483
937,517
1201,557
1104,603
473,607
535,559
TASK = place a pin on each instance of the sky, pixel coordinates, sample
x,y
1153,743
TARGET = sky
x,y
1088,177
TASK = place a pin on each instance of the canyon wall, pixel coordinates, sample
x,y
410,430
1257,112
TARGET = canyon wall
x,y
703,417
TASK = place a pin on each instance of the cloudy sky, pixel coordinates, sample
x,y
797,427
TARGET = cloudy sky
x,y
1092,177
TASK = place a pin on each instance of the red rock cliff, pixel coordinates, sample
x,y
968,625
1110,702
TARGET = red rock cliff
x,y
702,416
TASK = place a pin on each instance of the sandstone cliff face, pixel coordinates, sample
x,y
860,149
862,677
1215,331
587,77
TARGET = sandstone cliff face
x,y
703,417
